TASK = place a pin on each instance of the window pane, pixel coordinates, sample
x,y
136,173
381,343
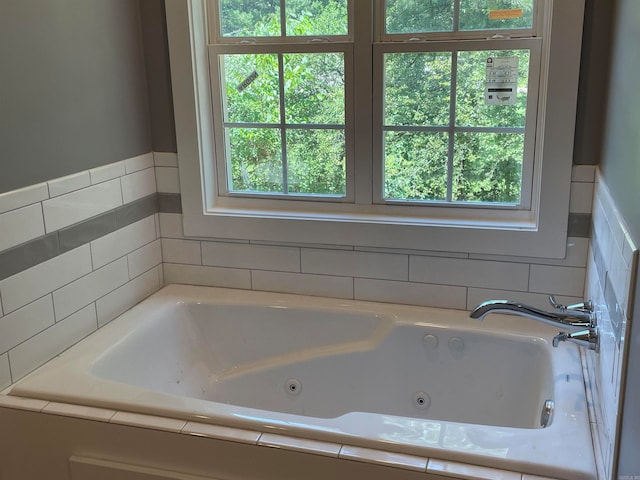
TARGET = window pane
x,y
246,18
251,87
415,165
495,14
314,88
418,16
256,159
488,167
417,87
316,161
317,17
471,109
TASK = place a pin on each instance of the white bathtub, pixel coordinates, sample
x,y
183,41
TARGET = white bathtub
x,y
420,381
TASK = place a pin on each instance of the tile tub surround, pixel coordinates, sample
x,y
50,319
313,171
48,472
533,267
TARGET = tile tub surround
x,y
456,280
406,441
612,266
75,252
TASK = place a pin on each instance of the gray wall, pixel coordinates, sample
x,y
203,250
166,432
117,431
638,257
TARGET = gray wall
x,y
621,171
72,90
156,57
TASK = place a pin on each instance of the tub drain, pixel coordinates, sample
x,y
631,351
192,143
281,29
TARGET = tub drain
x,y
421,400
293,386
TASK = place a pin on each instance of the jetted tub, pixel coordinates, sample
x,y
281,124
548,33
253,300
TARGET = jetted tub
x,y
414,380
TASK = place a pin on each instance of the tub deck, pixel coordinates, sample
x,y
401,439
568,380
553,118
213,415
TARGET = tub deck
x,y
350,374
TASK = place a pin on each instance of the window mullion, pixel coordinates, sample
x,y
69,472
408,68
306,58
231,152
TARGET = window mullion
x,y
364,97
456,16
283,19
452,123
283,132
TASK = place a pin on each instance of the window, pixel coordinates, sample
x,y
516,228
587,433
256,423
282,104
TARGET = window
x,y
381,123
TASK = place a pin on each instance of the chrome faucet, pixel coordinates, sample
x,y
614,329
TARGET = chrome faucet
x,y
579,315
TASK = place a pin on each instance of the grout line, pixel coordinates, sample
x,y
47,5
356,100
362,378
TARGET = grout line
x,y
10,369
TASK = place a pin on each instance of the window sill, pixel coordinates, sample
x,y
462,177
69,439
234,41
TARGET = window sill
x,y
471,236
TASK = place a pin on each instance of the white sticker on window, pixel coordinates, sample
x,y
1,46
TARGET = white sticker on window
x,y
502,81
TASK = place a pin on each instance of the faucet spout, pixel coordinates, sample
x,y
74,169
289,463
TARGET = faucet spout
x,y
577,318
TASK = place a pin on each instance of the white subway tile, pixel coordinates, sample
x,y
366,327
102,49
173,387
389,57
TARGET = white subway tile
x,y
167,179
302,284
576,256
620,275
405,251
171,225
160,269
181,251
43,347
35,282
355,264
628,249
407,293
235,255
123,241
22,403
82,204
148,421
144,258
313,447
476,296
22,197
107,172
222,433
89,288
69,184
472,273
125,297
165,159
25,322
5,372
468,471
21,225
207,276
583,173
140,162
156,220
138,185
78,411
581,197
557,280
380,457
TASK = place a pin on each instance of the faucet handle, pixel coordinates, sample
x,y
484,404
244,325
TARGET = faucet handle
x,y
586,306
560,337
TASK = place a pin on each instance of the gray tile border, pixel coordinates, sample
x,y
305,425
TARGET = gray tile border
x,y
169,203
17,259
29,254
86,231
136,210
579,225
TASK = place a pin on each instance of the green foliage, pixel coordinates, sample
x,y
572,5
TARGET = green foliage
x,y
486,167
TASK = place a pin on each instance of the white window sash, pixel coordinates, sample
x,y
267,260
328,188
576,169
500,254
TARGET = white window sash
x,y
538,232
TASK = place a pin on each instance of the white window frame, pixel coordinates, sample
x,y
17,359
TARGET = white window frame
x,y
540,231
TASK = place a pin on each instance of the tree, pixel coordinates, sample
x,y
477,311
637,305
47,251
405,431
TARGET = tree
x,y
417,91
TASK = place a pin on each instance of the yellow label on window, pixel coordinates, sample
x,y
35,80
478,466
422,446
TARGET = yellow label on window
x,y
505,14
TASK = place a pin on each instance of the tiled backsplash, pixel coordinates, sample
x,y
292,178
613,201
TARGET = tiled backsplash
x,y
612,265
442,279
75,252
